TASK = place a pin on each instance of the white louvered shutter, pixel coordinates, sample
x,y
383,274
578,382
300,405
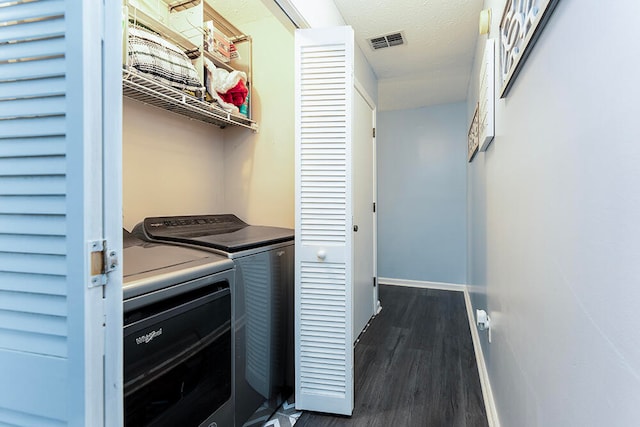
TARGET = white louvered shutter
x,y
323,301
51,319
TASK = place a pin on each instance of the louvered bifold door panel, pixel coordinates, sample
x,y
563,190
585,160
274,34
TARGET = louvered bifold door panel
x,y
324,105
33,193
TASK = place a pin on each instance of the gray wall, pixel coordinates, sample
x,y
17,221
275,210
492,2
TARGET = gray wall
x,y
554,212
422,194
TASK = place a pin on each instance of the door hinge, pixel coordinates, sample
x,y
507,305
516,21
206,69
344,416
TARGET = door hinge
x,y
374,132
375,282
374,206
103,260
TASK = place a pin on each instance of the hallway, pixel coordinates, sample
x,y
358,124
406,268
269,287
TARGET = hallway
x,y
415,365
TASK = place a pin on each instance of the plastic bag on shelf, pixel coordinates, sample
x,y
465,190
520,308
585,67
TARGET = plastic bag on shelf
x,y
215,80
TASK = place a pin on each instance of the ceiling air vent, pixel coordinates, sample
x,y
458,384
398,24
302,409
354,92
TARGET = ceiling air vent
x,y
389,40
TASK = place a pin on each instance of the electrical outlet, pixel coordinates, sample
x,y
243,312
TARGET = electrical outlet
x,y
483,321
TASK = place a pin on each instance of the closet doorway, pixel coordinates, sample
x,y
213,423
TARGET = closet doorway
x,y
365,293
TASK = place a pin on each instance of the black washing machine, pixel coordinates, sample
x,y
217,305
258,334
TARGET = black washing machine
x,y
177,336
262,301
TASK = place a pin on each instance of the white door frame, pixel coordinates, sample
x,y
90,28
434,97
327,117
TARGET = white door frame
x,y
112,203
292,12
369,100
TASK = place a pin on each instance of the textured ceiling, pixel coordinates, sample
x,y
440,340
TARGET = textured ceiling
x,y
435,64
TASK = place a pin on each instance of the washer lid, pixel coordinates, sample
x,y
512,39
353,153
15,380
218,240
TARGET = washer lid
x,y
140,258
250,237
226,232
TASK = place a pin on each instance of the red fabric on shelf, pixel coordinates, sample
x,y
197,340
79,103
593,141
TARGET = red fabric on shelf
x,y
236,95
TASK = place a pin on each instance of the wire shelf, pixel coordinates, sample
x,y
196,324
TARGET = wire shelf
x,y
142,88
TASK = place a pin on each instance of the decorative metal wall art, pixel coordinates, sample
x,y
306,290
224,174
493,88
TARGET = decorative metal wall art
x,y
521,25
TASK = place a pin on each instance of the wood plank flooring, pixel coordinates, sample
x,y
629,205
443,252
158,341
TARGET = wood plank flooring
x,y
414,366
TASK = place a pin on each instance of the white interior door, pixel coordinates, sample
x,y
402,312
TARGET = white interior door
x,y
324,220
363,214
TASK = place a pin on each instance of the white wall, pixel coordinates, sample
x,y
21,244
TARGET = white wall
x,y
422,194
171,165
259,168
554,231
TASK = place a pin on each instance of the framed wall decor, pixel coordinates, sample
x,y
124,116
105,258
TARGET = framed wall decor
x,y
472,136
520,27
487,96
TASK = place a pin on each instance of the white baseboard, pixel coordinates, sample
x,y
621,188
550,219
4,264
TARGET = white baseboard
x,y
487,394
421,284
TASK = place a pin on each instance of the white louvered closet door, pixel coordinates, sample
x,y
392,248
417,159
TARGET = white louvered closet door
x,y
52,333
323,258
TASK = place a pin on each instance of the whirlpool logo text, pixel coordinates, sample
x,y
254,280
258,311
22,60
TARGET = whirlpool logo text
x,y
145,339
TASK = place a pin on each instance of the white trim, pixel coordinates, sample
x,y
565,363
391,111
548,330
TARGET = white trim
x,y
112,203
362,91
422,284
485,384
376,291
293,13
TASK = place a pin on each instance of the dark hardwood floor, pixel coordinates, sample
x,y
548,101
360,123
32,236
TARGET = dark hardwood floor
x,y
414,366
